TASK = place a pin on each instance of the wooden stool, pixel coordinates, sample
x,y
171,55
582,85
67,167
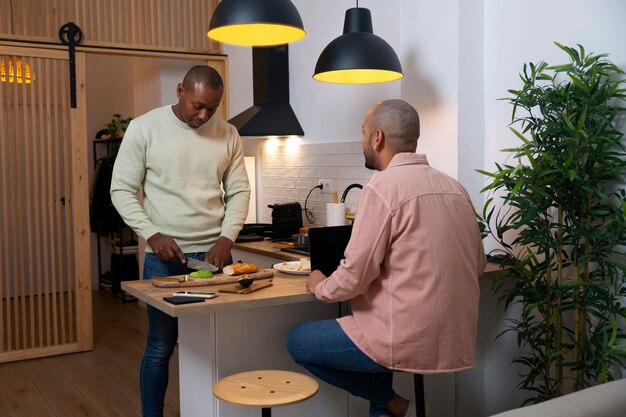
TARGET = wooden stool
x,y
265,389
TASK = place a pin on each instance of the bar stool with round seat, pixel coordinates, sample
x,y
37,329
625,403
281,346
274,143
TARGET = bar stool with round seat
x,y
265,389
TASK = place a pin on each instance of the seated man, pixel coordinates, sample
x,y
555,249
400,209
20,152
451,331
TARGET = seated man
x,y
411,270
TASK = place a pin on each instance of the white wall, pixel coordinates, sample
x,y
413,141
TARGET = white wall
x,y
429,57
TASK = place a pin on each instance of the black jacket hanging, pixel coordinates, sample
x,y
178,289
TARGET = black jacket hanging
x,y
104,219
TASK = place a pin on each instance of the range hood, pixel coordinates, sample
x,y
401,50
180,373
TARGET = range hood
x,y
271,114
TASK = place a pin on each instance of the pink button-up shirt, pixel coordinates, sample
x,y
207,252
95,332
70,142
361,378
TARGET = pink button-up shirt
x,y
411,269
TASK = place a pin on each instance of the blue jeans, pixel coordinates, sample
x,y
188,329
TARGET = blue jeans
x,y
162,337
327,352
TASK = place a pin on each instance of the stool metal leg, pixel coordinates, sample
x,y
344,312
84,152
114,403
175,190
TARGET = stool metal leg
x,y
420,406
266,412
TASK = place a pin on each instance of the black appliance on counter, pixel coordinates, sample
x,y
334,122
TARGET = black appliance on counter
x,y
286,220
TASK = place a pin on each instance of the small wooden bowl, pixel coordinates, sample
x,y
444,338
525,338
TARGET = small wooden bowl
x,y
245,281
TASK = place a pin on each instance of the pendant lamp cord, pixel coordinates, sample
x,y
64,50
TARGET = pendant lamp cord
x,y
357,4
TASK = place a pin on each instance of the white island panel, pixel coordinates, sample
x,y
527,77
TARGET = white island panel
x,y
219,344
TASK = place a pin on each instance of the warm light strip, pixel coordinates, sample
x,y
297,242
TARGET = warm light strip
x,y
257,34
358,76
19,73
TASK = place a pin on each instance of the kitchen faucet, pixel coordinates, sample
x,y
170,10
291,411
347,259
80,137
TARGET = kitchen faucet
x,y
348,188
349,214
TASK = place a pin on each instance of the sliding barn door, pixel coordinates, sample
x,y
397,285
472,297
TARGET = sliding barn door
x,y
45,287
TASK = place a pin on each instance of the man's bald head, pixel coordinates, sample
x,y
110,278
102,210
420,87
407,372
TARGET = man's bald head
x,y
199,96
205,75
400,123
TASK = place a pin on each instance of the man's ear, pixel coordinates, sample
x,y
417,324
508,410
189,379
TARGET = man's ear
x,y
179,90
379,140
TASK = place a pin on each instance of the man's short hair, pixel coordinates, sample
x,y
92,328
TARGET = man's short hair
x,y
399,122
203,74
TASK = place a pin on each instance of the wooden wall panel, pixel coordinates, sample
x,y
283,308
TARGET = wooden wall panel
x,y
161,25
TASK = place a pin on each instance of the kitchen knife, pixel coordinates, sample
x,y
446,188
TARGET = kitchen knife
x,y
200,266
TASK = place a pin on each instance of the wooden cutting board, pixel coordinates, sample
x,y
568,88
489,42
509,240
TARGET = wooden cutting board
x,y
237,289
178,281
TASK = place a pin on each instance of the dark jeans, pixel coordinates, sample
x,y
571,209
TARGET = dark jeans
x,y
327,352
162,337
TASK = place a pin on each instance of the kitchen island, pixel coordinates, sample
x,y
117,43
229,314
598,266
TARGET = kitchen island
x,y
239,332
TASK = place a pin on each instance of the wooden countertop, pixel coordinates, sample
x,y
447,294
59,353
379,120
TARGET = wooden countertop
x,y
287,289
272,249
268,248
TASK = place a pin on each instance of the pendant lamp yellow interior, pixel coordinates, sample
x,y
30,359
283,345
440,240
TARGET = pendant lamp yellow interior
x,y
256,22
358,76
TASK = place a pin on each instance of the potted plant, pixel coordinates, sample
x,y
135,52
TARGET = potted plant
x,y
117,126
558,212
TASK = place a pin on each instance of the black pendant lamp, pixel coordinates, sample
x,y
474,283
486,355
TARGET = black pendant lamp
x,y
358,56
256,22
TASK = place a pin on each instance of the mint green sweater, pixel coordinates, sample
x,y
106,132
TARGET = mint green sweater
x,y
194,180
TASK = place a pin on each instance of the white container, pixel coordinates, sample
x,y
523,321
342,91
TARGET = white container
x,y
335,214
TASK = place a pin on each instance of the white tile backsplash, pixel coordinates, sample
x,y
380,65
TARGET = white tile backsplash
x,y
332,172
354,147
309,172
288,174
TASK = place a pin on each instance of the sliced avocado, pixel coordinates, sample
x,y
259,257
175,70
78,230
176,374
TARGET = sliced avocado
x,y
201,274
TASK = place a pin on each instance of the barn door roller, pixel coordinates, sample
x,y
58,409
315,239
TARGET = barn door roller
x,y
71,35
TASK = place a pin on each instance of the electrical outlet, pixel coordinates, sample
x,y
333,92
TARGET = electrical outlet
x,y
327,186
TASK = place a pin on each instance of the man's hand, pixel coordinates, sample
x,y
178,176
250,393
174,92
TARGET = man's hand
x,y
219,254
315,277
166,249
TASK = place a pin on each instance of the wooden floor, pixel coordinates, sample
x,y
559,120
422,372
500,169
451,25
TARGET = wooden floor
x,y
100,383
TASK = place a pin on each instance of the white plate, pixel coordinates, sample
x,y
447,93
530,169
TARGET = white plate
x,y
279,267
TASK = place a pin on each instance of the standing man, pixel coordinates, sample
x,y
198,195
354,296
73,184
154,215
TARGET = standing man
x,y
190,165
411,270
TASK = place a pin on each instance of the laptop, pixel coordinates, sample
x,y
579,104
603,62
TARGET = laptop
x,y
327,246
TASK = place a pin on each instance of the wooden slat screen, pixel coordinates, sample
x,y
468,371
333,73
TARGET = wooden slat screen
x,y
164,25
37,266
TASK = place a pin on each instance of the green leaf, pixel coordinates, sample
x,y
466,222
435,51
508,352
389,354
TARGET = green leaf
x,y
569,123
572,174
519,135
579,82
